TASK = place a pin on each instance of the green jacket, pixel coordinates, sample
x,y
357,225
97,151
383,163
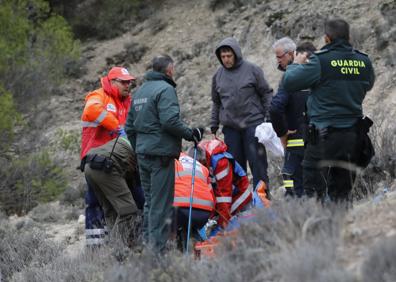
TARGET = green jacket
x,y
123,156
153,125
339,78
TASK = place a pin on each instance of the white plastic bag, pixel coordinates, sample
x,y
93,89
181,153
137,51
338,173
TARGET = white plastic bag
x,y
267,136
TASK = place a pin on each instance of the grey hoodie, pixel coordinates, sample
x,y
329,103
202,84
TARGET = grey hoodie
x,y
241,96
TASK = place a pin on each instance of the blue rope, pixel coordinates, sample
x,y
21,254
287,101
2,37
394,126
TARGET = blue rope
x,y
191,198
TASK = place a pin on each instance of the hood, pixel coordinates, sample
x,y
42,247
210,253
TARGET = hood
x,y
121,102
109,89
234,45
212,147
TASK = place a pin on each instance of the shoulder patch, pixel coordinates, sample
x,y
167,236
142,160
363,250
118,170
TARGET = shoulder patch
x,y
322,51
111,108
357,51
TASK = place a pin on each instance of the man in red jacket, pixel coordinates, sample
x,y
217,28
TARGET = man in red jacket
x,y
103,118
229,180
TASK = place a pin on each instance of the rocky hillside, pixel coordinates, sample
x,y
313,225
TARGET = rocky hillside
x,y
189,32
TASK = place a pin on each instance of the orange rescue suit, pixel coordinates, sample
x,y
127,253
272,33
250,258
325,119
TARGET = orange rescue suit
x,y
203,197
105,110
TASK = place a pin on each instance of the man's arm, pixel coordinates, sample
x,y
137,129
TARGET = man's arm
x,y
263,89
95,114
302,76
169,115
223,192
371,78
130,128
277,111
216,102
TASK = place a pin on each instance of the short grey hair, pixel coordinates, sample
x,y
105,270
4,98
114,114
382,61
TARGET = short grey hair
x,y
161,63
286,43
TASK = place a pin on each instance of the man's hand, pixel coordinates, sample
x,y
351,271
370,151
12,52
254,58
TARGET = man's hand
x,y
197,134
300,58
214,129
284,138
121,132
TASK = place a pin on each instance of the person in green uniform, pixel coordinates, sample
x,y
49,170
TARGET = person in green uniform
x,y
111,171
155,130
339,77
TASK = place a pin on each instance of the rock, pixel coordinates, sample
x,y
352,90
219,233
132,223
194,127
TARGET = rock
x,y
81,219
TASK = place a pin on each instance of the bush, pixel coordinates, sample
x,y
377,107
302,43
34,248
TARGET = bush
x,y
380,265
8,119
69,141
103,19
21,249
35,46
25,182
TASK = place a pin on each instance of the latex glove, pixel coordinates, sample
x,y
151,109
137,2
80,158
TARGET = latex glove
x,y
197,134
121,132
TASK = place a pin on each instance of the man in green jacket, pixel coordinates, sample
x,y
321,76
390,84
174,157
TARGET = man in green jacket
x,y
155,129
339,77
111,171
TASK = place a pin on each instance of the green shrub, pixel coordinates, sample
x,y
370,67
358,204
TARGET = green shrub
x,y
8,119
103,19
35,46
28,181
68,140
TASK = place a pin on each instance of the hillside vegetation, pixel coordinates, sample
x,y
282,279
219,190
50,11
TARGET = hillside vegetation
x,y
53,52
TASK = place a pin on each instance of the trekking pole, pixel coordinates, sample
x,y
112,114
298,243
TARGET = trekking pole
x,y
191,197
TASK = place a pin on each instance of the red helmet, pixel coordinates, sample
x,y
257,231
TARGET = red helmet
x,y
212,147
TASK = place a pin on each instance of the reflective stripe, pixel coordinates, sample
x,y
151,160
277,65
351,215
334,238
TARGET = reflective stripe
x,y
98,231
288,183
223,199
241,199
222,174
101,117
295,143
201,202
89,124
98,120
94,241
189,173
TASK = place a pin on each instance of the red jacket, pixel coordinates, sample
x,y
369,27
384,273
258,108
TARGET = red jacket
x,y
232,189
105,110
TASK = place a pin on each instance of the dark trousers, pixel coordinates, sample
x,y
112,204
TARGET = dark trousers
x,y
329,165
180,225
157,175
244,147
292,171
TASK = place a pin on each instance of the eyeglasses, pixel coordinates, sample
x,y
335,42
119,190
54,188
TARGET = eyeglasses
x,y
281,56
124,82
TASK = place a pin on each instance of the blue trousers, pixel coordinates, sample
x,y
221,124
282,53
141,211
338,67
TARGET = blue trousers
x,y
95,232
244,147
292,171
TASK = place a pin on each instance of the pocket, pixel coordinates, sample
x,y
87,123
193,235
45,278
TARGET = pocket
x,y
97,162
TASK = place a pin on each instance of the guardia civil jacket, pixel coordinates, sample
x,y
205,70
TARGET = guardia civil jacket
x,y
339,77
154,126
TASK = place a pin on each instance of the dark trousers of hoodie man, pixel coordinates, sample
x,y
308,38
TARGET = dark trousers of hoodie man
x,y
157,175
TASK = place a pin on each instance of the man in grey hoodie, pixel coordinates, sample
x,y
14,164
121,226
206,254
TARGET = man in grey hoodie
x,y
241,97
